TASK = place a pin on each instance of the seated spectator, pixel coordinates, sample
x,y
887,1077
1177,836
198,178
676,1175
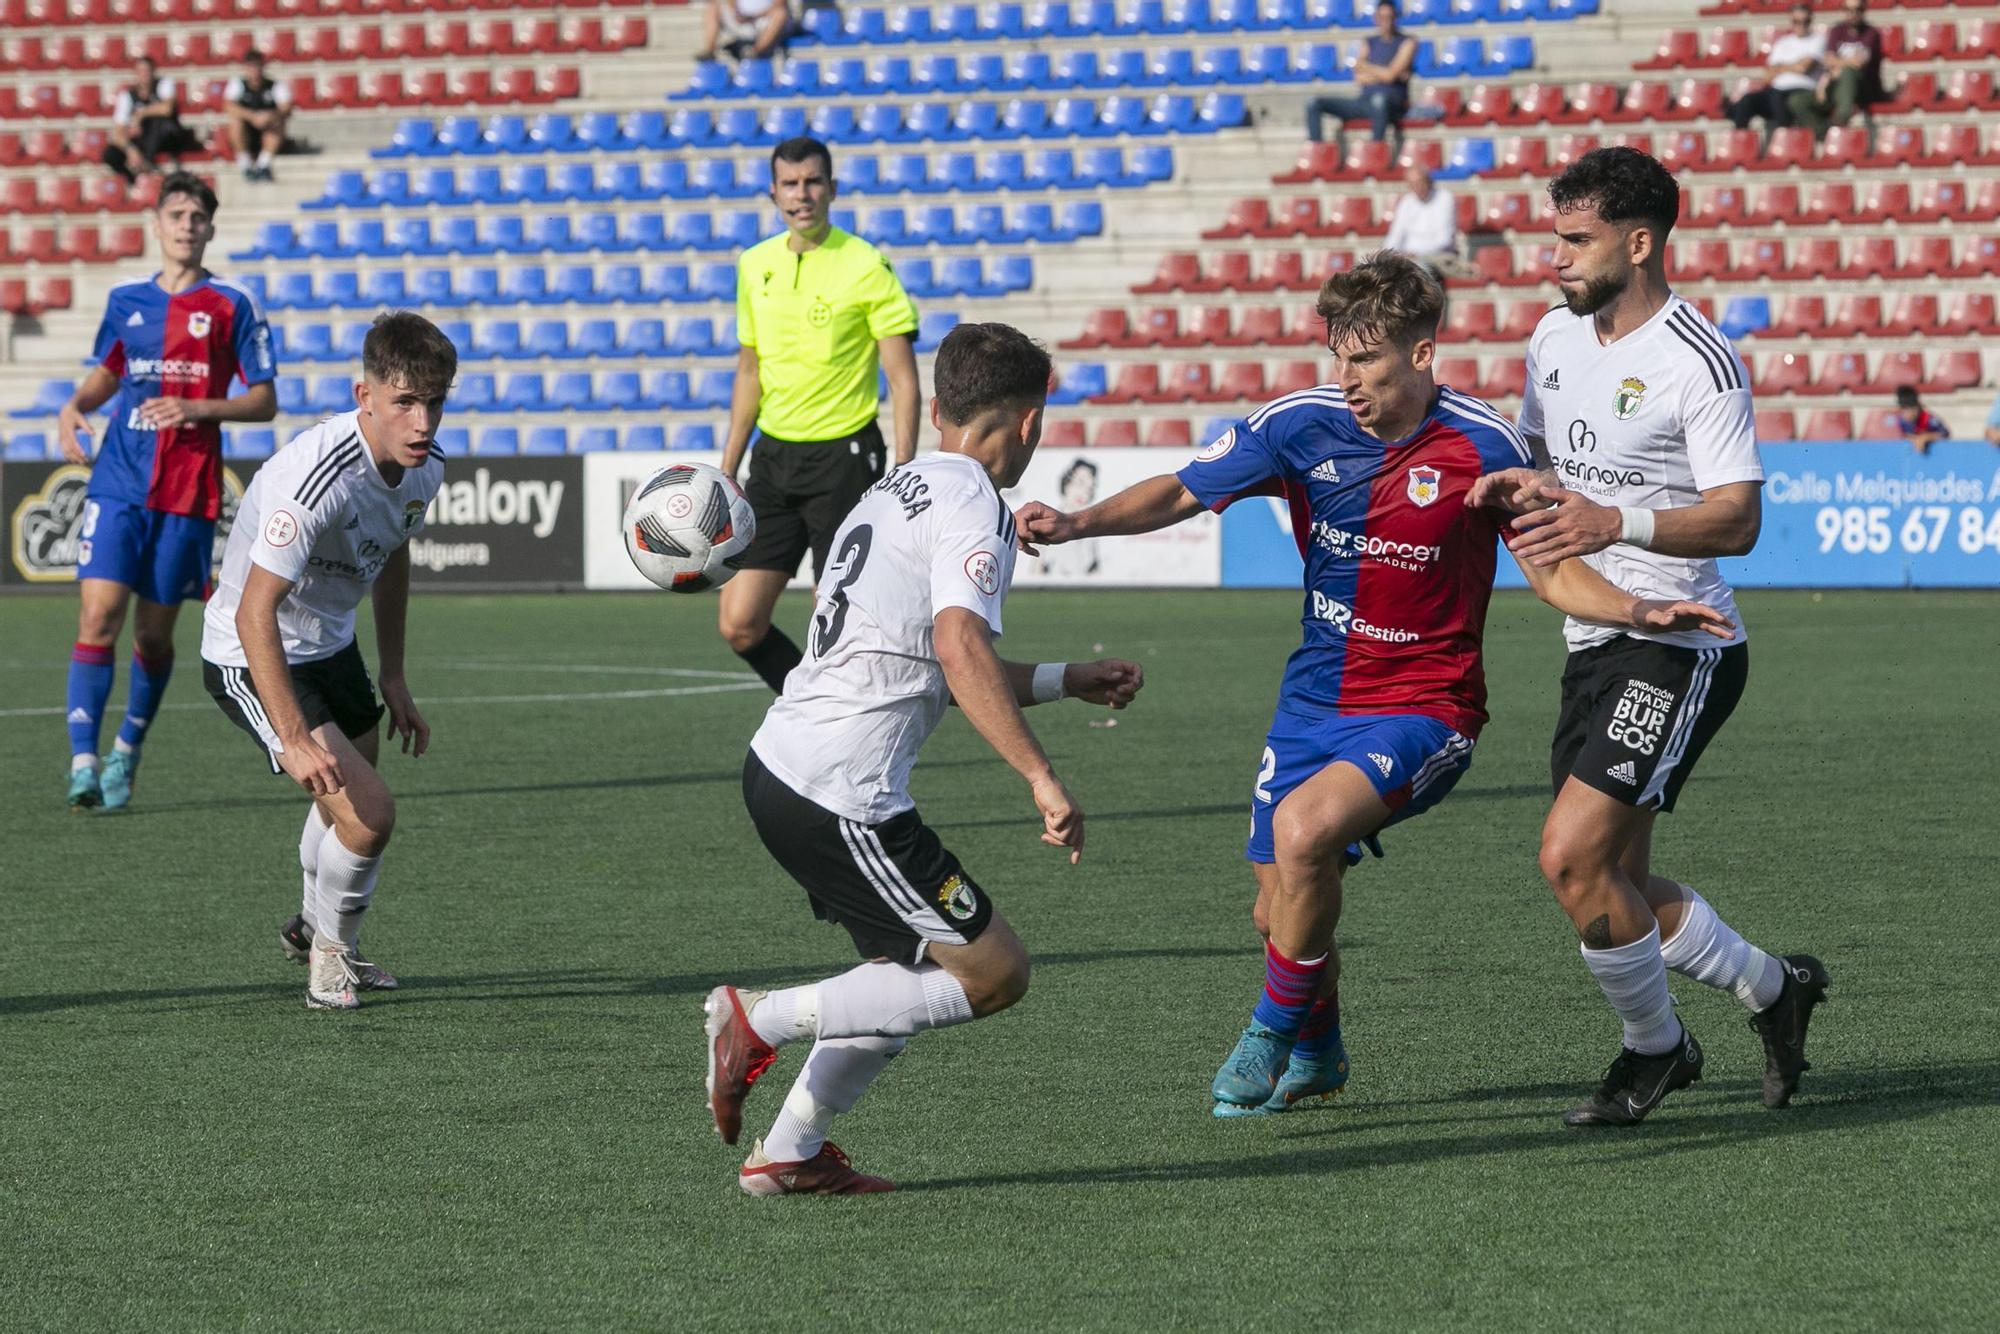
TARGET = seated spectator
x,y
1797,60
1853,78
746,29
257,106
1425,225
147,126
1917,423
1993,423
1383,75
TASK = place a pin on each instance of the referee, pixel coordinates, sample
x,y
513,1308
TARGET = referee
x,y
818,311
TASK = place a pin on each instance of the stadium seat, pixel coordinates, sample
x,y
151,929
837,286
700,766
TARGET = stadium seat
x,y
1800,316
1970,313
1955,370
1064,434
546,440
1855,315
1170,433
1115,433
497,441
1775,425
1782,373
648,439
1745,315
1820,424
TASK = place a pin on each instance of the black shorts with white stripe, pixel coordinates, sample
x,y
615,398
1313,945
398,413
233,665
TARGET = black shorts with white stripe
x,y
894,885
334,690
1637,714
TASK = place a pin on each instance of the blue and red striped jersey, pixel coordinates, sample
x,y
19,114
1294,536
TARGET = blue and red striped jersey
x,y
188,344
1397,570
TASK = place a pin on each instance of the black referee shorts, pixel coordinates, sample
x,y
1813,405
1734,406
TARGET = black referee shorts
x,y
335,690
1637,714
801,490
894,885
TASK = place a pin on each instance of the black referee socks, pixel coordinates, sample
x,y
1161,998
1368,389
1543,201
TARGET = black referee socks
x,y
773,657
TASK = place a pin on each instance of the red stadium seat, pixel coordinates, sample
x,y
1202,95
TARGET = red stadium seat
x,y
1817,257
1646,102
1970,313
1902,146
1841,373
1514,211
472,85
1775,203
1505,377
1117,433
14,297
1170,433
51,294
1208,326
1179,271
1898,369
1702,261
1677,50
1461,373
1959,146
1486,104
1765,260
1698,99
1844,146
1791,146
1929,39
1855,316
1942,201
1300,217
1353,215
1318,162
1980,260
1866,257
1137,382
1926,257
127,243
1569,148
1969,90
1189,382
1160,326
1257,327
1821,424
1829,201
1686,151
1064,434
1495,264
1241,382
1951,371
1725,46
1284,271
1288,377
1589,102
1982,41
1723,206
1230,271
1472,322
1245,217
1110,327
1782,373
1775,425
1543,104
1914,313
1519,318
84,245
1524,156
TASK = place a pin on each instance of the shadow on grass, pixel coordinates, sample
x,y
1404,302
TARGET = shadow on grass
x,y
1831,1102
553,984
1229,808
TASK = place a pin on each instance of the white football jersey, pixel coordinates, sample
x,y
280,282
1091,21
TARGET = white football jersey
x,y
320,514
932,534
1649,422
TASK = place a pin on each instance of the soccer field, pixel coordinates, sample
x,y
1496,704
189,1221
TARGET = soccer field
x,y
517,1139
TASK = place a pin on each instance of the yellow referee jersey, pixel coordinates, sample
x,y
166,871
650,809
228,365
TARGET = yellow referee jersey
x,y
813,319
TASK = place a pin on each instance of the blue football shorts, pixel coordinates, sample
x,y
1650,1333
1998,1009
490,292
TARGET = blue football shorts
x,y
1412,761
161,557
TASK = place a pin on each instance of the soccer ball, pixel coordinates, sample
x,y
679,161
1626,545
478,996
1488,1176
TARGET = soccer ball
x,y
686,524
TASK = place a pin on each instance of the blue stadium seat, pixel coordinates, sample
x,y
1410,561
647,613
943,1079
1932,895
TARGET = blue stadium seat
x,y
508,134
693,436
711,79
460,334
666,178
1223,64
1003,170
453,442
435,186
667,282
1030,70
715,282
621,282
592,338
497,442
293,400
834,124
463,135
529,284
937,75
741,230
714,388
693,128
617,391
275,240
885,226
546,440
499,338
1012,273
882,122
1170,112
547,338
249,442
550,233
385,288
1079,381
1469,157
976,120
528,182
483,185
799,78
784,122
48,399
412,236
1120,115
575,282
644,338
599,232
306,342
917,276
570,393
960,23
1105,166
1082,217
651,439
504,234
594,439
1029,118
1078,69
1510,54
866,27
932,327
987,222
929,120
668,389
331,394
1745,315
713,176
574,181
366,236
389,186
477,287
521,391
1053,168
1152,162
347,343
754,78
740,126
692,231
909,24
623,179
432,287
340,288
693,337
293,291
412,138
861,175
34,448
344,189
602,131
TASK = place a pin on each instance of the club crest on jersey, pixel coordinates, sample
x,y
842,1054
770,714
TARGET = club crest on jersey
x,y
413,514
955,897
1625,403
1217,447
1426,485
198,324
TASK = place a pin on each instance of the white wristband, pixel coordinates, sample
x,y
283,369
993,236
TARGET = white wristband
x,y
1048,687
1637,527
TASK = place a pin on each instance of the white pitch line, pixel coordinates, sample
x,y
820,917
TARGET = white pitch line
x,y
476,665
426,701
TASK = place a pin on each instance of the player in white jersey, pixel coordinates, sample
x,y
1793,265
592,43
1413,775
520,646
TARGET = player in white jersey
x,y
1642,409
325,523
906,615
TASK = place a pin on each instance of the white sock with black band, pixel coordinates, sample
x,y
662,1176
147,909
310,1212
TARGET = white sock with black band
x,y
1707,949
1634,980
891,1000
346,883
309,840
836,1073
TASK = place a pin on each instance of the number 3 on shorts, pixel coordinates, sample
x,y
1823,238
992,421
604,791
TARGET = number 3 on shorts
x,y
1264,773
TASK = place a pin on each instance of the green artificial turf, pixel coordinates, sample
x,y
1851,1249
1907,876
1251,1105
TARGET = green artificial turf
x,y
517,1138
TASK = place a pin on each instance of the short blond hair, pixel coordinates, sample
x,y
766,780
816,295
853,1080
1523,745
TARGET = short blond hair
x,y
1387,296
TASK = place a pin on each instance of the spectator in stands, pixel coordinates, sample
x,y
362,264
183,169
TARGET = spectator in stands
x,y
258,107
1383,75
1425,225
1797,60
752,29
147,125
1853,78
1917,423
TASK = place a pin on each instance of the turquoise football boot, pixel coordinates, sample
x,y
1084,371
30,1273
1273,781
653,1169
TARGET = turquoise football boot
x,y
1309,1078
119,769
84,791
1248,1078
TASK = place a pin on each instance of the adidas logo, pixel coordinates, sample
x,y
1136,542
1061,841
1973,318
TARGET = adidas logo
x,y
137,318
1324,471
79,715
1627,772
1549,381
1384,763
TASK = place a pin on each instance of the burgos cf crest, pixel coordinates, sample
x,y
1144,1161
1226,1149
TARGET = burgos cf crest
x,y
1625,403
198,324
1426,485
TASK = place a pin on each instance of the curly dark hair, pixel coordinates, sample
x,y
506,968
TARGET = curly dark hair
x,y
984,368
1623,185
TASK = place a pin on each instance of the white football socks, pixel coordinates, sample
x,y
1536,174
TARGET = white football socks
x,y
309,840
891,1000
1634,980
836,1073
1707,949
346,883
